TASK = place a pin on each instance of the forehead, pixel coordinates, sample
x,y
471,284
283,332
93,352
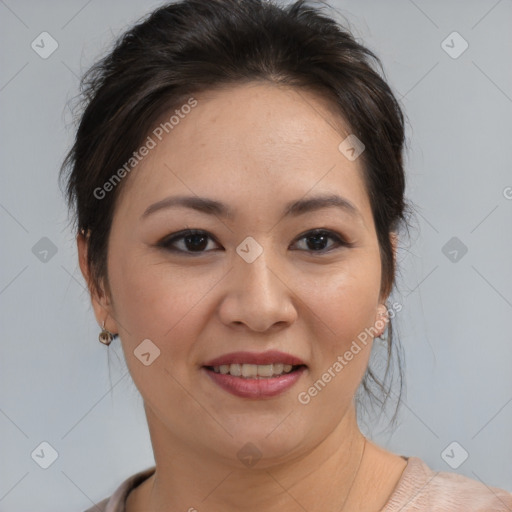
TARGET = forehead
x,y
256,142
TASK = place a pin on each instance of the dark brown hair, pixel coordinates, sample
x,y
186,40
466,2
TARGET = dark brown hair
x,y
189,46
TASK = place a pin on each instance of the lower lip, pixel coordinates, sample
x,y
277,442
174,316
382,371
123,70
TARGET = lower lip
x,y
255,388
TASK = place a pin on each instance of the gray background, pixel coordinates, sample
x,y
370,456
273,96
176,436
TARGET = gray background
x,y
59,385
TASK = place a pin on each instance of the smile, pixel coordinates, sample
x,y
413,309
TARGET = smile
x,y
263,371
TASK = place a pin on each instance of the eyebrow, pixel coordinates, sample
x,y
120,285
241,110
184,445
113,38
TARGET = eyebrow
x,y
292,209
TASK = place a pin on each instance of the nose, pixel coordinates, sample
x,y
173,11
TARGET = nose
x,y
258,296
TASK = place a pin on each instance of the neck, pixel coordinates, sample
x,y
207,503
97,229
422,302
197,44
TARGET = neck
x,y
320,480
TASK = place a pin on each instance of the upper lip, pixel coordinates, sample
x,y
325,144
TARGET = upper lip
x,y
268,357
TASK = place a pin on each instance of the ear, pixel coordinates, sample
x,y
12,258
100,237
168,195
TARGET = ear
x,y
381,319
393,237
100,299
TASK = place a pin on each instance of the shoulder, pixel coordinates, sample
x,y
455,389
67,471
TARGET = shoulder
x,y
99,507
116,502
421,488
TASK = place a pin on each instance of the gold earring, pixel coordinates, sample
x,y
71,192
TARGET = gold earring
x,y
105,336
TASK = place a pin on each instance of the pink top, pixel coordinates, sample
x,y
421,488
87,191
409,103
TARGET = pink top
x,y
419,489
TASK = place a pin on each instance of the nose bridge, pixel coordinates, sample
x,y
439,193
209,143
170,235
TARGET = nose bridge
x,y
257,278
258,296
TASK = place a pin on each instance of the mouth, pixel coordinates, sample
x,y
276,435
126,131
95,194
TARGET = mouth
x,y
255,371
255,375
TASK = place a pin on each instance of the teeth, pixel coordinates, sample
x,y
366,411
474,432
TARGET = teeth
x,y
253,370
278,368
264,370
235,369
249,370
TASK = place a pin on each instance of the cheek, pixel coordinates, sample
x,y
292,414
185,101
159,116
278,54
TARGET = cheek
x,y
344,304
343,298
155,302
158,301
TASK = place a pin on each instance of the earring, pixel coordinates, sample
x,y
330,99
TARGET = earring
x,y
105,336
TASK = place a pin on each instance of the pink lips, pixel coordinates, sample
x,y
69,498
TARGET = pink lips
x,y
256,388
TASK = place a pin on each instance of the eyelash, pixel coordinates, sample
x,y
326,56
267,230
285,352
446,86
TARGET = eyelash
x,y
166,243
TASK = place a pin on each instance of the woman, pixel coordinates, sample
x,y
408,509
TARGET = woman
x,y
238,185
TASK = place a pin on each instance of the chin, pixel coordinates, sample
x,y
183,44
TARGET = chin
x,y
266,445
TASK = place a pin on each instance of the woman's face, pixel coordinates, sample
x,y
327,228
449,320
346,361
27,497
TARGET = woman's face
x,y
256,280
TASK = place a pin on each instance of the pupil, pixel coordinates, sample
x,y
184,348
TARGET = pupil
x,y
322,243
196,245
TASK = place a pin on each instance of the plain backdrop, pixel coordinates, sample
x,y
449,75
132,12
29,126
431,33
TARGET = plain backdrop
x,y
60,386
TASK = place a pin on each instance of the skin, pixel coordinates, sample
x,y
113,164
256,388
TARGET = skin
x,y
255,147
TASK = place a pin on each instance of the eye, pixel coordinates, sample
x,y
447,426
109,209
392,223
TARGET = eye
x,y
196,241
191,240
318,239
